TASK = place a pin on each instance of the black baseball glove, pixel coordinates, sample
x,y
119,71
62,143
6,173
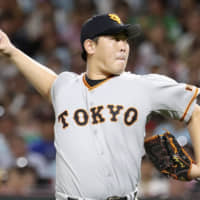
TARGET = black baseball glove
x,y
168,156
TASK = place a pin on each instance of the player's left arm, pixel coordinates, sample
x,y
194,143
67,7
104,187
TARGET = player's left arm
x,y
194,130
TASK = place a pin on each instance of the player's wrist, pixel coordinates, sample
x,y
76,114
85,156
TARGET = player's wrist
x,y
195,172
12,52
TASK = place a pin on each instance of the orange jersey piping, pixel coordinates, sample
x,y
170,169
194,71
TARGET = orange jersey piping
x,y
188,106
95,86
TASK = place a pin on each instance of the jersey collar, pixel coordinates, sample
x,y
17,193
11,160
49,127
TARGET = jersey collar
x,y
96,85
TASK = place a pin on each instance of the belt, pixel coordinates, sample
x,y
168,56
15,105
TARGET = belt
x,y
109,198
132,196
117,198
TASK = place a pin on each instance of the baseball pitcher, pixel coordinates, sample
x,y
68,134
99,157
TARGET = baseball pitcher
x,y
100,115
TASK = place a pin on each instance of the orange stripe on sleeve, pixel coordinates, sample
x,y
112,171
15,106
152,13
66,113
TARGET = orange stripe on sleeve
x,y
190,103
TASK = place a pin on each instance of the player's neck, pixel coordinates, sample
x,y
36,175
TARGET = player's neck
x,y
92,82
94,71
96,76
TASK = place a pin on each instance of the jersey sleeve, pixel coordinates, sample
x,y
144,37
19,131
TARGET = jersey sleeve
x,y
60,83
170,98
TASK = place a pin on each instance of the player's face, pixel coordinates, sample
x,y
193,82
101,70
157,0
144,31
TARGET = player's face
x,y
112,54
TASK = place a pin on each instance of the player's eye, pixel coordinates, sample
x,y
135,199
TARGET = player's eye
x,y
120,37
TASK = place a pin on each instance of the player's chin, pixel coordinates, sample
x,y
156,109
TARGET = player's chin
x,y
120,67
117,72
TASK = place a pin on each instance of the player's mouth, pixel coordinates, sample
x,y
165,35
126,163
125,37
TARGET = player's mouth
x,y
121,58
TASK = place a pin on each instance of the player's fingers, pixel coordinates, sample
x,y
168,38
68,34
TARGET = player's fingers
x,y
3,36
4,43
4,40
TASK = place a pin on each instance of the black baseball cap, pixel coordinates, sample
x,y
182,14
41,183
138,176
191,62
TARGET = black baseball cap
x,y
106,24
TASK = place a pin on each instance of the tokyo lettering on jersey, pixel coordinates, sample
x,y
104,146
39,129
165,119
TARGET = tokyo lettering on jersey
x,y
100,130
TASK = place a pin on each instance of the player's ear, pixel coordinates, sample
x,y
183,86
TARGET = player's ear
x,y
90,46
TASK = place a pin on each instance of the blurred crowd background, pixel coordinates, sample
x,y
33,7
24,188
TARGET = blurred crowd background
x,y
49,31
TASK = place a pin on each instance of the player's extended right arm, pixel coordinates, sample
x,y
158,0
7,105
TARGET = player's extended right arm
x,y
38,75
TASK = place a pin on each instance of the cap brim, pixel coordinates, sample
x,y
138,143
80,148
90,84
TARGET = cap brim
x,y
132,31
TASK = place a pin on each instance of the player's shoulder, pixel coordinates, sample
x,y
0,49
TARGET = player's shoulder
x,y
146,77
62,82
158,77
129,76
147,80
63,79
66,76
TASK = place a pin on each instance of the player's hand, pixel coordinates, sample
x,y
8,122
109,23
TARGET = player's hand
x,y
6,47
195,171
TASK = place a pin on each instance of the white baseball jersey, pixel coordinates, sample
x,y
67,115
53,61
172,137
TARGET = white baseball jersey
x,y
99,130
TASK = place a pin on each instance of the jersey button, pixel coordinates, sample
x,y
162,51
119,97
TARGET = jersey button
x,y
109,174
92,92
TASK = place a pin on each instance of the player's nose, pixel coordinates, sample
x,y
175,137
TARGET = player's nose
x,y
122,45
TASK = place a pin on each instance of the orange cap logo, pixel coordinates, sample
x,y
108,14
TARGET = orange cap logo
x,y
115,18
